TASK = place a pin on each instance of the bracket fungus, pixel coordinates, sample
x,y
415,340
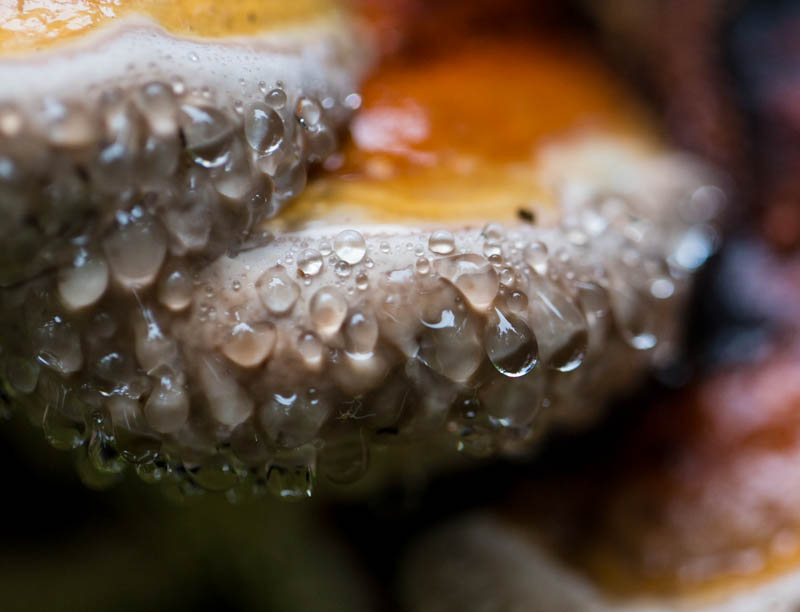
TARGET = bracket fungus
x,y
502,244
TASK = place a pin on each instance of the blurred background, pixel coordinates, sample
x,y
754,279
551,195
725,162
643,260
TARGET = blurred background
x,y
711,439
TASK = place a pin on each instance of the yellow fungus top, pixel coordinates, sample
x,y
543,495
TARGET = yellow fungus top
x,y
32,25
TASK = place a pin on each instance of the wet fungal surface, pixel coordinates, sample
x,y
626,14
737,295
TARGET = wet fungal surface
x,y
169,306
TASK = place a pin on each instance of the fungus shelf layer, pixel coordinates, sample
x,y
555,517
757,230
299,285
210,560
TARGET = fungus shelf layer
x,y
502,246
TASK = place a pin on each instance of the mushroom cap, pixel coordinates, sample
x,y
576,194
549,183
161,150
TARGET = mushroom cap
x,y
470,269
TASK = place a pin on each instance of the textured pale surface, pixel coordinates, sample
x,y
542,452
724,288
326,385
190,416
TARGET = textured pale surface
x,y
28,25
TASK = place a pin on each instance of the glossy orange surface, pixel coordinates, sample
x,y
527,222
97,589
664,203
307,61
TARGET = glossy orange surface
x,y
28,25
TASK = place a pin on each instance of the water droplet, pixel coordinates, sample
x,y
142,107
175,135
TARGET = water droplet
x,y
311,349
214,474
293,419
328,309
228,402
308,113
248,444
58,345
277,291
442,242
248,346
662,288
263,128
84,282
352,101
423,266
473,276
361,334
103,455
167,407
207,132
510,344
342,269
135,251
536,257
63,421
593,298
175,290
292,482
362,281
158,105
309,263
493,232
349,246
276,98
560,326
694,248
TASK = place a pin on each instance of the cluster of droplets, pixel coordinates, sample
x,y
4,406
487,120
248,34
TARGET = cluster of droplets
x,y
162,169
260,369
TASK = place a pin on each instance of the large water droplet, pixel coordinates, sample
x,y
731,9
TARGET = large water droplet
x,y
510,344
248,346
560,326
167,408
175,290
228,402
292,482
58,345
473,276
135,251
349,246
207,132
536,257
308,112
442,242
84,282
328,309
309,263
263,128
361,334
292,419
277,291
158,105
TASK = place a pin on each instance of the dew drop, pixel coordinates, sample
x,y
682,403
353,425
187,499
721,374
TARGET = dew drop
x,y
473,276
277,291
293,419
342,269
207,132
158,105
135,251
308,113
423,266
328,309
536,257
361,334
167,407
290,482
362,281
248,346
276,98
263,128
175,290
58,346
510,344
349,246
311,349
442,242
309,262
84,282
